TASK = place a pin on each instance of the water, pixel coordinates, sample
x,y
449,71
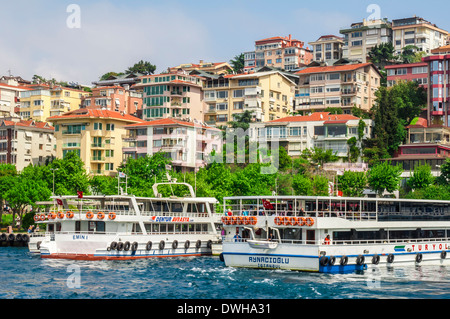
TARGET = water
x,y
23,276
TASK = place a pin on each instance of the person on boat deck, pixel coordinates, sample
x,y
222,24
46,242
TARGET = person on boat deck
x,y
302,212
327,240
245,213
229,213
237,237
270,237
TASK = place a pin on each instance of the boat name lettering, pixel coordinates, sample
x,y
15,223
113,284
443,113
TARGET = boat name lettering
x,y
160,219
421,247
85,237
269,260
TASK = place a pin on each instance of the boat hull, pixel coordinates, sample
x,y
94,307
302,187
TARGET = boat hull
x,y
334,258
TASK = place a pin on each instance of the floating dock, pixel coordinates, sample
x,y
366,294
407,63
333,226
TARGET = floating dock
x,y
14,240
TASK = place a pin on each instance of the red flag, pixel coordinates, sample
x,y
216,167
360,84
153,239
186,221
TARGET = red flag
x,y
80,194
60,202
267,204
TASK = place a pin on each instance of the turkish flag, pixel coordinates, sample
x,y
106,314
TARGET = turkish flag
x,y
60,202
80,194
267,204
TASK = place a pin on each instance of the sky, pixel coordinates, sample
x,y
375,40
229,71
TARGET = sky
x,y
50,39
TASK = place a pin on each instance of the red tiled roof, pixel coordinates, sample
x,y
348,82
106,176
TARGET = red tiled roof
x,y
421,122
41,125
21,87
333,68
170,121
96,113
317,117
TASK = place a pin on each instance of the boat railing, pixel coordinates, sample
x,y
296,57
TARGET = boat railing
x,y
83,212
344,242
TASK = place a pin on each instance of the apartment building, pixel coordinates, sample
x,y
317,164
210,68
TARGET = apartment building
x,y
361,37
339,86
418,32
177,95
186,143
208,67
43,101
114,98
417,72
278,52
95,135
321,129
26,142
328,49
268,94
10,98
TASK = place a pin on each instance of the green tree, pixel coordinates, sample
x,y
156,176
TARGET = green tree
x,y
382,54
70,175
444,178
320,186
319,156
238,63
408,54
142,67
384,176
302,185
353,150
109,74
103,185
352,184
421,177
242,120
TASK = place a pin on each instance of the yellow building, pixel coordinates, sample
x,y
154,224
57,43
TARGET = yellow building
x,y
268,94
44,101
95,135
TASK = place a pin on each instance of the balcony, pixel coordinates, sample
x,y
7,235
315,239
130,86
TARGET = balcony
x,y
97,145
97,159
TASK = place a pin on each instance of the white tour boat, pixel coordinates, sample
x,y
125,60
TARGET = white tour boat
x,y
128,227
333,234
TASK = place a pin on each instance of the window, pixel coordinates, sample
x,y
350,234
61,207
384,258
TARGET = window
x,y
98,126
356,43
109,127
238,93
222,94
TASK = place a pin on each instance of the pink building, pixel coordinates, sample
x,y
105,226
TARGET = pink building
x,y
417,72
114,98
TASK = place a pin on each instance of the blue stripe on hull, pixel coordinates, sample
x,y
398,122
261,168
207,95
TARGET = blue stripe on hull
x,y
338,269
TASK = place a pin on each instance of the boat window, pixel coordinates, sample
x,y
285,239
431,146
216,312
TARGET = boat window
x,y
58,226
177,207
77,226
291,233
136,228
94,226
170,228
163,228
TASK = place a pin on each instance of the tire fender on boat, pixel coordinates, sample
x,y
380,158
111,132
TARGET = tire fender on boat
x,y
332,261
113,245
120,246
323,260
127,246
419,258
209,244
134,246
443,254
198,244
175,244
360,260
187,243
390,258
148,246
376,259
344,261
162,244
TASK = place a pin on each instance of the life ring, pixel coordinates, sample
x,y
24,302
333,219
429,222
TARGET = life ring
x,y
240,220
187,244
375,259
112,216
224,220
302,221
70,215
296,221
134,246
390,258
419,258
113,245
253,220
287,221
443,254
344,261
148,246
332,261
323,260
100,215
234,220
52,215
279,220
360,260
175,244
247,220
198,244
89,215
60,215
229,220
309,221
43,217
36,218
162,244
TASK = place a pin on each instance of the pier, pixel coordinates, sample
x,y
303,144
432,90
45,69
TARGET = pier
x,y
14,240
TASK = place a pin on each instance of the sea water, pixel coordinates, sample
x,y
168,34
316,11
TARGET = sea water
x,y
23,276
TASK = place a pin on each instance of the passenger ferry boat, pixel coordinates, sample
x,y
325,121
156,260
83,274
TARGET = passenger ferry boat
x,y
333,234
127,227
